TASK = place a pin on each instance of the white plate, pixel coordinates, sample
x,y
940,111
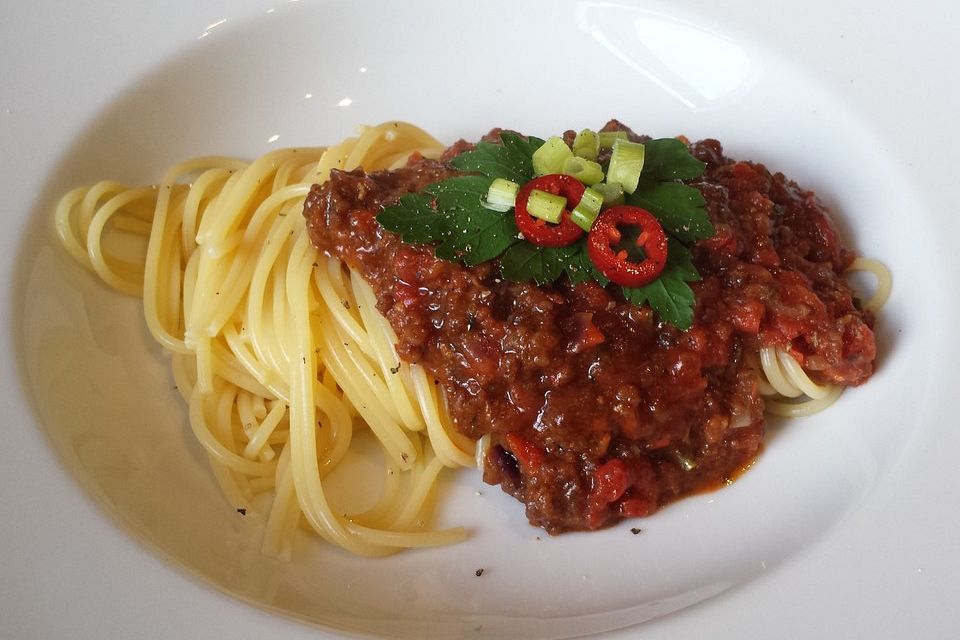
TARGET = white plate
x,y
849,524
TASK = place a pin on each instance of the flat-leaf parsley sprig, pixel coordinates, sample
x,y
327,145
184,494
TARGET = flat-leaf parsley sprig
x,y
455,216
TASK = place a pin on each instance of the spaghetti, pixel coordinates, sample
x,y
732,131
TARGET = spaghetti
x,y
788,390
275,348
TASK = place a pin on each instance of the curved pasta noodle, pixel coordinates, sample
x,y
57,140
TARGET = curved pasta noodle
x,y
883,277
788,390
272,348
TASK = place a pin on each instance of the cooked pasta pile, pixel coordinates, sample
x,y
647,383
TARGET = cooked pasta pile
x,y
278,351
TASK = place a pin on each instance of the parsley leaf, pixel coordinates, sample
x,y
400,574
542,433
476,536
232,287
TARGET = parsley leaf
x,y
512,159
473,233
672,300
525,261
680,209
414,219
580,267
461,227
669,295
669,159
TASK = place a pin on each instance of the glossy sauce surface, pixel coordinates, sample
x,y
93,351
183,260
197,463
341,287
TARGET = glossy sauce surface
x,y
597,410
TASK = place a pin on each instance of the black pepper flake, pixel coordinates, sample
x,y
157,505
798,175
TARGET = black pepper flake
x,y
404,456
636,530
478,572
395,370
471,322
242,511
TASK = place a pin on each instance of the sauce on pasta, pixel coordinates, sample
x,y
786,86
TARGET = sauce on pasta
x,y
594,409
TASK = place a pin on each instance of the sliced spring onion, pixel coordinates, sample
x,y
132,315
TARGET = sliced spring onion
x,y
550,156
607,138
586,145
501,195
626,163
584,214
612,192
546,206
586,171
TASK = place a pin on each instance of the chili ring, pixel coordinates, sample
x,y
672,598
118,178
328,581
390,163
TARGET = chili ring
x,y
540,232
607,233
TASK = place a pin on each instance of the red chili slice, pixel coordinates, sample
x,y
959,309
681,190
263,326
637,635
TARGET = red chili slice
x,y
607,233
540,232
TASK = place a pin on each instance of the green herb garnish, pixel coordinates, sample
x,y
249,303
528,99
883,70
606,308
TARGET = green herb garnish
x,y
451,215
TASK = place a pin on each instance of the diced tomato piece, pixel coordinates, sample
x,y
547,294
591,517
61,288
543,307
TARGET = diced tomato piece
x,y
528,455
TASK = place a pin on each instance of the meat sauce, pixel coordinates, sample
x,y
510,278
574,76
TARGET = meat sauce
x,y
597,411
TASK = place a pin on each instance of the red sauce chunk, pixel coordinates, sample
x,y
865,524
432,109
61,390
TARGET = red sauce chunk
x,y
597,410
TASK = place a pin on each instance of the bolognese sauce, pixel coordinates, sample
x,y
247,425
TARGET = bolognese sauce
x,y
596,409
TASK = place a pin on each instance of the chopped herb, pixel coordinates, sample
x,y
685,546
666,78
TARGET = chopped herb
x,y
396,369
